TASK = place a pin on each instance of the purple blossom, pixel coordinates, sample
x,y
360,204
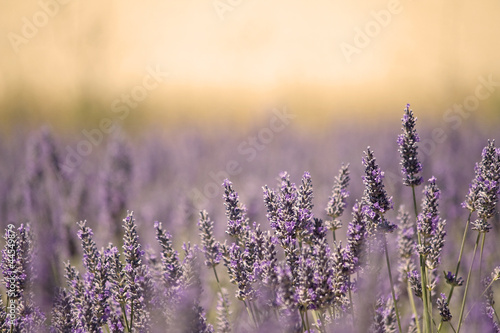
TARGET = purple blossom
x,y
407,141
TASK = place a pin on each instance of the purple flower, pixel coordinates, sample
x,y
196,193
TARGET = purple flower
x,y
237,222
211,247
375,200
444,310
431,226
410,166
336,205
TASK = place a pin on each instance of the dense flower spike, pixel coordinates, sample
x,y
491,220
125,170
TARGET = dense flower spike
x,y
407,141
431,226
385,317
305,224
239,272
136,275
356,233
337,203
169,257
237,222
406,244
375,200
444,310
487,176
211,247
223,313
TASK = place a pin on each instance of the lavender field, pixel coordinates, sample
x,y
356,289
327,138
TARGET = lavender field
x,y
392,227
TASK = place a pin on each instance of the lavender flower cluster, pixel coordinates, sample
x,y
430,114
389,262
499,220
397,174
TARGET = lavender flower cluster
x,y
291,271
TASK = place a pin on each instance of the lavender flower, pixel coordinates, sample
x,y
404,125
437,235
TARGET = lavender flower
x,y
211,247
282,211
169,258
237,223
375,200
410,166
406,244
444,310
416,286
452,279
136,275
61,312
223,313
304,208
356,233
336,205
487,173
431,226
385,317
96,276
239,272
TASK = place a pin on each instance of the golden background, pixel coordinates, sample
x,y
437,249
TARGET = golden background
x,y
234,65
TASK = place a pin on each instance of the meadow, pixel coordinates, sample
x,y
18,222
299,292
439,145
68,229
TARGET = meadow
x,y
382,228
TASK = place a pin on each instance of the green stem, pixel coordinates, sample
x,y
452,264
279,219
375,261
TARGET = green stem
x,y
392,284
350,301
467,283
461,253
458,263
484,292
414,202
302,319
124,310
250,313
413,307
334,238
131,316
307,321
481,256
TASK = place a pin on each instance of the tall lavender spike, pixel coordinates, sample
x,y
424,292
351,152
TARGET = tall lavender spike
x,y
61,312
305,224
385,317
406,244
487,176
337,203
211,247
410,166
237,224
136,275
444,310
282,211
375,200
172,270
223,313
431,226
356,233
240,273
97,276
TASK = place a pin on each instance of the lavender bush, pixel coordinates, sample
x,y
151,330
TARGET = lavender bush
x,y
409,260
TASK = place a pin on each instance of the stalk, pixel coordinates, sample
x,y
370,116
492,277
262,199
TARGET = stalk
x,y
467,284
392,284
307,321
413,307
481,255
423,273
458,263
484,292
125,316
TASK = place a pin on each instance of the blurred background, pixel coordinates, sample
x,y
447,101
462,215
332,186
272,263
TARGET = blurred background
x,y
109,106
66,62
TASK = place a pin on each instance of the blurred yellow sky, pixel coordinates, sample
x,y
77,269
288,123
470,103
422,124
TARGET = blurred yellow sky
x,y
66,60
